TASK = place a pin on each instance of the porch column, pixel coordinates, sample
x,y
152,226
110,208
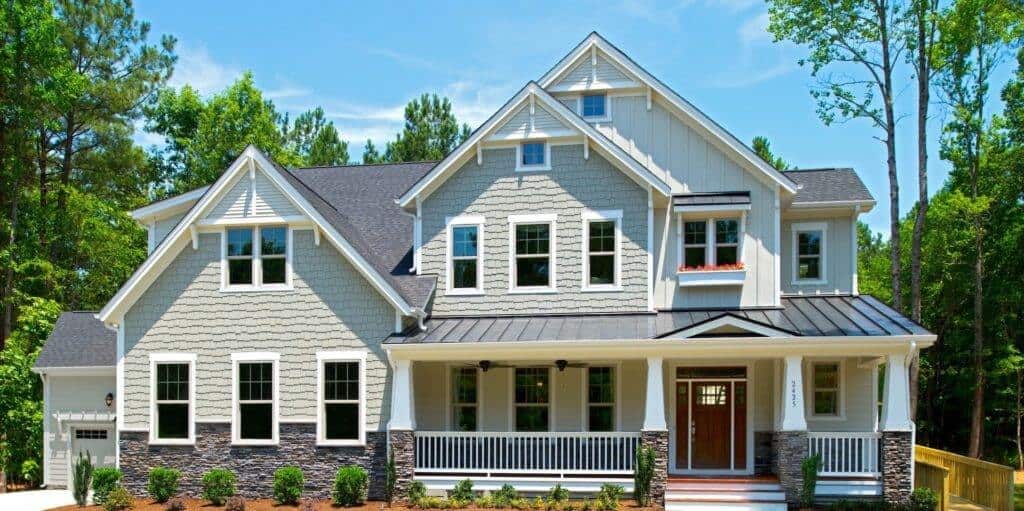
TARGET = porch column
x,y
897,432
790,442
655,428
400,428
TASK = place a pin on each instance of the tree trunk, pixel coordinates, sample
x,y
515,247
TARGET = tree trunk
x,y
44,185
1020,450
890,149
978,402
8,293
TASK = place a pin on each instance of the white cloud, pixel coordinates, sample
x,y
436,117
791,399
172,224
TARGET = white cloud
x,y
755,30
746,77
197,68
286,93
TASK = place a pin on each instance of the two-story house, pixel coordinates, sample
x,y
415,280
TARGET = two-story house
x,y
599,266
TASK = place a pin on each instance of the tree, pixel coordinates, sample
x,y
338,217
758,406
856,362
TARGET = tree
x,y
315,140
860,35
370,154
763,149
430,133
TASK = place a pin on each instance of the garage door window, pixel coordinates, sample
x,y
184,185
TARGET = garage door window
x,y
91,434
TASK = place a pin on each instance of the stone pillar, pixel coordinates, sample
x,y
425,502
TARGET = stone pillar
x,y
657,440
790,443
401,440
403,446
897,456
655,429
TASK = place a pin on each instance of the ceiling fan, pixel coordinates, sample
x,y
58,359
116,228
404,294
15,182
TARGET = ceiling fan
x,y
486,365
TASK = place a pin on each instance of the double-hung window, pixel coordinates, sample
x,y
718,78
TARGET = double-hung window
x,y
594,106
532,388
465,255
695,244
256,258
809,253
533,156
533,253
727,239
710,242
465,394
600,399
255,413
341,386
173,398
826,378
601,258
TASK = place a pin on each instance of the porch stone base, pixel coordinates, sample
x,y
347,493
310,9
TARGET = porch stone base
x,y
897,457
403,446
254,466
790,449
657,440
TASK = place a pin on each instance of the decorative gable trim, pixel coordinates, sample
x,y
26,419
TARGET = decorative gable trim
x,y
728,321
532,92
682,108
173,243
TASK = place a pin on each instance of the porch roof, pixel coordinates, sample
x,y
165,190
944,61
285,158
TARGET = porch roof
x,y
799,316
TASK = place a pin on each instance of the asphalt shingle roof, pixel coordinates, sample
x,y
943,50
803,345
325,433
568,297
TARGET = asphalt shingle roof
x,y
79,340
828,185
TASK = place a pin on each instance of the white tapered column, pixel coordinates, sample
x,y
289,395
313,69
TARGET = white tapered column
x,y
896,399
401,396
654,409
793,395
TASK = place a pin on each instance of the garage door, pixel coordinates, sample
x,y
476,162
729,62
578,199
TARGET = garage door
x,y
98,442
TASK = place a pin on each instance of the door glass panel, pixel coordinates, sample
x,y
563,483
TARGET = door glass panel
x,y
712,395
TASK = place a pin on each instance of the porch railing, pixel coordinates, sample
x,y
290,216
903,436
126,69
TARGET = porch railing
x,y
562,454
846,454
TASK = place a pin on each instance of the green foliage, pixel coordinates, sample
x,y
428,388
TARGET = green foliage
x,y
809,468
417,490
505,495
315,140
104,480
431,131
118,499
218,485
390,478
370,154
350,486
163,483
558,494
81,477
608,497
463,491
31,472
288,483
763,148
235,503
642,475
923,499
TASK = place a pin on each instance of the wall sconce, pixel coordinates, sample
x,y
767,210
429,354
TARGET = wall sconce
x,y
109,399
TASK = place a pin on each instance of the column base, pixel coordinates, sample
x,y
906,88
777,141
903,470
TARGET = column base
x,y
790,448
403,446
897,461
657,440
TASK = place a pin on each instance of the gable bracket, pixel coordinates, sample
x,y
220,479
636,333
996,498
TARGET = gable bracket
x,y
194,231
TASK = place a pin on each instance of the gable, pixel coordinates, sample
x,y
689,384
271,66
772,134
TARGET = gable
x,y
253,195
540,124
727,325
594,73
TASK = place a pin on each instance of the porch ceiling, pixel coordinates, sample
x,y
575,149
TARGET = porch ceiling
x,y
811,316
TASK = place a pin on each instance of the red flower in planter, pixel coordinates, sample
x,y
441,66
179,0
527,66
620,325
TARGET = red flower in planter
x,y
712,267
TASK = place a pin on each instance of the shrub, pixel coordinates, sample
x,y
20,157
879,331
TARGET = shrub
x,y
642,475
118,499
288,483
505,495
81,478
176,504
809,468
390,477
485,502
163,483
235,504
608,497
417,490
30,471
104,479
218,485
350,486
558,494
463,491
923,499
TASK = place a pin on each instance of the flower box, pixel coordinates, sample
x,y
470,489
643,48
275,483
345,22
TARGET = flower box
x,y
702,276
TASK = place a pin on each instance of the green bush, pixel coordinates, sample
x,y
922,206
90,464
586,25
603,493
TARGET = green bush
x,y
923,499
608,497
30,471
463,491
505,495
235,504
809,468
350,486
390,477
81,477
218,485
417,490
288,483
118,499
104,480
642,475
163,483
558,494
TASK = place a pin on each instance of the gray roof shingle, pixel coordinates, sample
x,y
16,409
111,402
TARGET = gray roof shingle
x,y
79,340
828,185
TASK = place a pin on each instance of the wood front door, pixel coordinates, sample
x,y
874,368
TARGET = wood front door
x,y
711,428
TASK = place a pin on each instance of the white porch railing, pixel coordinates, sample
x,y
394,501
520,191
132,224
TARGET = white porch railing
x,y
560,454
846,454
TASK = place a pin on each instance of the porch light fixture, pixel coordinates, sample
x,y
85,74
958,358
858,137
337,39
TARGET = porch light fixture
x,y
485,365
561,365
109,400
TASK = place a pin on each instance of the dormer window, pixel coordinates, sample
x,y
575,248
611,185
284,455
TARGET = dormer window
x,y
256,258
594,106
533,156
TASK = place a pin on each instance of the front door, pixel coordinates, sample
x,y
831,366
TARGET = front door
x,y
710,429
711,419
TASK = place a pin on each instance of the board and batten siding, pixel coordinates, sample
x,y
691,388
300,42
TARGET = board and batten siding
x,y
519,125
71,394
583,73
838,264
331,308
259,197
496,191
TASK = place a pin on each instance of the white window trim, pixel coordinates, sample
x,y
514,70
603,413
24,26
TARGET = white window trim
x,y
340,356
464,221
533,168
617,390
514,220
257,262
809,227
607,117
172,358
513,405
810,388
236,429
450,409
590,216
710,238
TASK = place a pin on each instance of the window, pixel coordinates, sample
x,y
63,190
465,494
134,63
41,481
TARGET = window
x,y
727,237
601,249
600,399
713,395
711,242
594,105
340,415
465,255
256,258
695,244
533,248
465,384
173,400
532,398
533,156
91,434
826,381
809,253
255,398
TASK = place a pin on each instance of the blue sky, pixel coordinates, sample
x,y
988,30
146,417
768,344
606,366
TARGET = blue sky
x,y
362,61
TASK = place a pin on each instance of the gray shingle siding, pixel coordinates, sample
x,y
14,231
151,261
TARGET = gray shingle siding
x,y
496,191
332,307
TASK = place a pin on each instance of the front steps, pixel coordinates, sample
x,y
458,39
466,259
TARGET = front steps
x,y
724,494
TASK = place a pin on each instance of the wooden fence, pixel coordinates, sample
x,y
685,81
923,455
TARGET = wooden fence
x,y
979,481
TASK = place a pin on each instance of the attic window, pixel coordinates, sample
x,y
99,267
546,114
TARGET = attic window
x,y
533,156
256,258
594,106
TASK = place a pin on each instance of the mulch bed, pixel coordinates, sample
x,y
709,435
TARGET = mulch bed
x,y
270,505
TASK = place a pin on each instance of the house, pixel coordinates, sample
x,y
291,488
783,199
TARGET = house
x,y
599,266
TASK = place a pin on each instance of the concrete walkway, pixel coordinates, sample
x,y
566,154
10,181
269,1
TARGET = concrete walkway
x,y
35,500
961,504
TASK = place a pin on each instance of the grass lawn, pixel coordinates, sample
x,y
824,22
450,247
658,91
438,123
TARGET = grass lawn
x,y
1018,496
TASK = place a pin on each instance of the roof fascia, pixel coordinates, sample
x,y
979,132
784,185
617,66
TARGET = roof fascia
x,y
681,105
75,371
169,206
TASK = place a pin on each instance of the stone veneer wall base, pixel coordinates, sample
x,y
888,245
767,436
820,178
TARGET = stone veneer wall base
x,y
897,457
658,440
254,466
403,445
790,449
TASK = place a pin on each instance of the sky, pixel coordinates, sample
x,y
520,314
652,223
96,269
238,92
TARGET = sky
x,y
363,61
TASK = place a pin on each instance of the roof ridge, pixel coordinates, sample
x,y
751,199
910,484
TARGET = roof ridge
x,y
820,169
354,165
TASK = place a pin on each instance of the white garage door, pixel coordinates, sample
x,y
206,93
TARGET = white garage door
x,y
98,442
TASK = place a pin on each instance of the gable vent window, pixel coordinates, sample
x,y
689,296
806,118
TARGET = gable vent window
x,y
257,258
594,105
533,156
